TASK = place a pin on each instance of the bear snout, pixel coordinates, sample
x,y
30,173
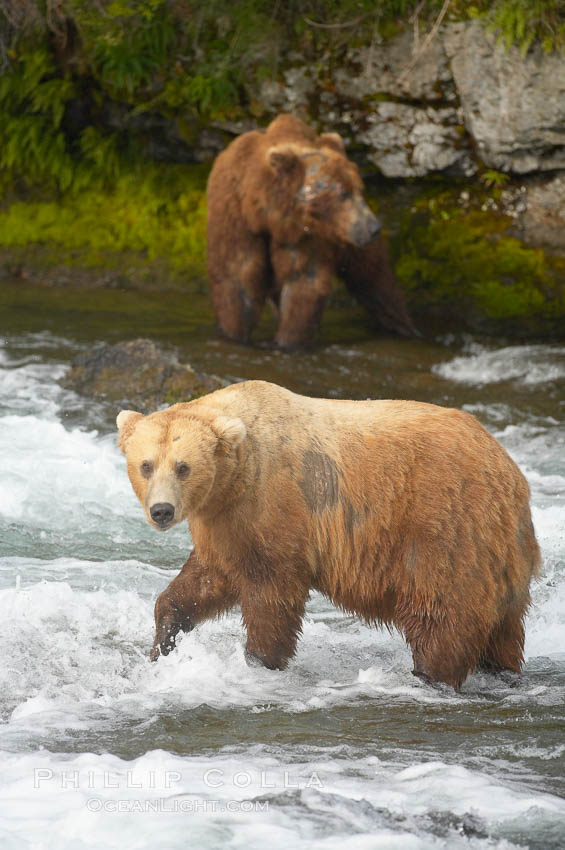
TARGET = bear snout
x,y
364,228
162,514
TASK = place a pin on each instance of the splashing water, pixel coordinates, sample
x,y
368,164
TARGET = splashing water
x,y
344,749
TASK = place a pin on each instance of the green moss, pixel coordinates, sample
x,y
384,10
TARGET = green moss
x,y
525,22
157,215
505,301
454,258
459,260
76,75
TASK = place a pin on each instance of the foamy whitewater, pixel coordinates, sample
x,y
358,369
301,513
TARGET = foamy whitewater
x,y
99,748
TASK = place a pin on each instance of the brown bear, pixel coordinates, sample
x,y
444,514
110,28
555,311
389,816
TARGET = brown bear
x,y
407,514
285,215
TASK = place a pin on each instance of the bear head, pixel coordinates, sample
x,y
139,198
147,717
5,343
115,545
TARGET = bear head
x,y
326,190
178,458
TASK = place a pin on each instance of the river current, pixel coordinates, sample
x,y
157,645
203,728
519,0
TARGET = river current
x,y
99,748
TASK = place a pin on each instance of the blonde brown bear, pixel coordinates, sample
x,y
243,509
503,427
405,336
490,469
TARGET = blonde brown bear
x,y
407,514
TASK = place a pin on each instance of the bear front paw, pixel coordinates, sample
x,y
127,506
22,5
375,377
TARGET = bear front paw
x,y
169,621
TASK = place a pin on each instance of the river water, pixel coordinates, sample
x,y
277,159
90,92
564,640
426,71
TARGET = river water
x,y
346,749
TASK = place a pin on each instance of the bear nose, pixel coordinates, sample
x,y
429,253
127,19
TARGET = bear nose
x,y
376,227
365,228
369,228
162,513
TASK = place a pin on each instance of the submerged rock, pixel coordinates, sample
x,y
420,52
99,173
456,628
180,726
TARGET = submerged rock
x,y
138,374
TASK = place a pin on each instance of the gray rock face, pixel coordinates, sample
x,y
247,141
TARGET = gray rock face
x,y
513,106
543,219
292,93
462,104
386,66
407,141
464,101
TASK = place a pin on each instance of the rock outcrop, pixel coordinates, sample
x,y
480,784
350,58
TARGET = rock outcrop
x,y
458,104
513,106
462,102
543,217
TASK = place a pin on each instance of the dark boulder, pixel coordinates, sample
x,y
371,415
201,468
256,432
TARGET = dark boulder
x,y
138,374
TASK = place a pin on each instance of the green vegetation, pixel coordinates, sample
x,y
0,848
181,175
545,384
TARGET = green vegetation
x,y
84,84
199,59
157,214
524,22
77,77
455,258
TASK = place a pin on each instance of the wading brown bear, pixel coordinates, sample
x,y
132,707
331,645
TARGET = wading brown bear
x,y
407,514
285,215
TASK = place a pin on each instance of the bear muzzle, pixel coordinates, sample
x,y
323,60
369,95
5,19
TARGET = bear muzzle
x,y
162,514
364,228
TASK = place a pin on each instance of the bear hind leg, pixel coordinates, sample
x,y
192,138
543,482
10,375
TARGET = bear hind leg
x,y
505,647
432,668
368,274
439,654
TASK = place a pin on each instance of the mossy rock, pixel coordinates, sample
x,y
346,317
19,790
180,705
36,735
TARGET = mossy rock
x,y
459,259
137,374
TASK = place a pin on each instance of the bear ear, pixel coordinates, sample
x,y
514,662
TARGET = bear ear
x,y
126,420
333,141
231,432
283,159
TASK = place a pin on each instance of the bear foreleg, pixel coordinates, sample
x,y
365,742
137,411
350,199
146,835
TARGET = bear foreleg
x,y
239,276
304,281
300,311
196,594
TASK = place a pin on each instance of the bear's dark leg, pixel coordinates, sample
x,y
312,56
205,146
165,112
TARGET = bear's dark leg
x,y
196,594
239,275
273,628
435,668
301,309
304,280
367,272
505,648
442,650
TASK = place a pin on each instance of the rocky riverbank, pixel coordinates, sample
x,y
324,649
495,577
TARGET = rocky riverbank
x,y
460,138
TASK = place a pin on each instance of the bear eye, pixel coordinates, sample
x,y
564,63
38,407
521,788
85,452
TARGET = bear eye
x,y
147,469
182,469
